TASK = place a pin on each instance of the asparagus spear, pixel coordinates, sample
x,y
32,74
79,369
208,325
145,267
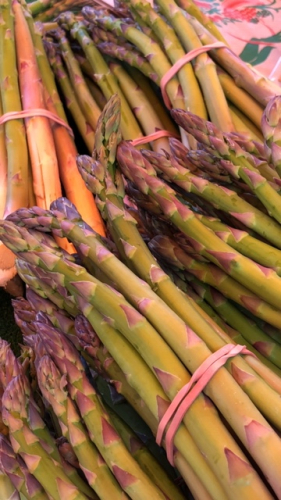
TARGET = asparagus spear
x,y
16,146
100,35
91,462
131,479
130,56
193,10
137,330
158,105
49,474
16,470
88,105
241,99
38,6
271,131
83,126
243,125
106,81
3,166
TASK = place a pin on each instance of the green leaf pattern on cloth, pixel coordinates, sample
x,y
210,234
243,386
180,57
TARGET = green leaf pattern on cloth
x,y
252,29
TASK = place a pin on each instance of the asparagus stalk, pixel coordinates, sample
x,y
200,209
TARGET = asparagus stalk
x,y
146,87
88,105
99,35
145,459
241,99
106,81
130,477
146,46
44,288
228,149
96,471
193,10
15,469
140,332
3,166
83,126
140,105
16,146
271,131
96,92
243,125
248,329
38,6
130,56
244,75
49,474
14,157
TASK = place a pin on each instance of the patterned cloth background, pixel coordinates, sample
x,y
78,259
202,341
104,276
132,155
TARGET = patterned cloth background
x,y
252,29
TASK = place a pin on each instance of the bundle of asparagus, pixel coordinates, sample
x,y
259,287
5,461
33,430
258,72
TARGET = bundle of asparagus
x,y
130,50
152,322
37,153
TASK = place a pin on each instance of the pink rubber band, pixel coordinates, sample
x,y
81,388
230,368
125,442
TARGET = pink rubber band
x,y
187,395
180,63
30,113
153,137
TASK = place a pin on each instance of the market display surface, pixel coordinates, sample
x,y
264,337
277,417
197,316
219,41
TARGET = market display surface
x,y
140,251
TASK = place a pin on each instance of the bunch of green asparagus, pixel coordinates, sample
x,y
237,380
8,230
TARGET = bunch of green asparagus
x,y
189,264
37,150
129,48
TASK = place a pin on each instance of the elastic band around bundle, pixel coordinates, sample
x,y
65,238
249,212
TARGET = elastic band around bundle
x,y
31,113
181,62
153,137
187,395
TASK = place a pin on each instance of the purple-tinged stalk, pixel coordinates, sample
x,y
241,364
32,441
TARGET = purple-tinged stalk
x,y
24,442
53,386
14,467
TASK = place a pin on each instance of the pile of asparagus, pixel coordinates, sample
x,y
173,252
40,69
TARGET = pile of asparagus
x,y
37,155
148,304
